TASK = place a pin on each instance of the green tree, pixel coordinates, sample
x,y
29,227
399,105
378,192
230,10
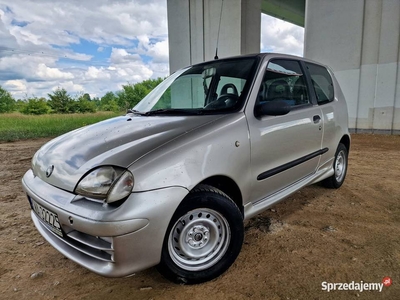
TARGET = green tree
x,y
61,102
86,96
96,101
7,102
150,84
109,102
131,94
165,100
35,106
19,105
83,105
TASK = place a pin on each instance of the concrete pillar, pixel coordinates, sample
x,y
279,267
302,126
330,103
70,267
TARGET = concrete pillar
x,y
193,29
359,39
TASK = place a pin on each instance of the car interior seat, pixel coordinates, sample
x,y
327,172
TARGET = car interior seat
x,y
278,90
299,93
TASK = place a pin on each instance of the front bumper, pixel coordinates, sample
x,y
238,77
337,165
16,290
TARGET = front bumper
x,y
110,241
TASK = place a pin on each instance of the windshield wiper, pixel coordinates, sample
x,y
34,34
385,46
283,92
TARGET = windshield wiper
x,y
134,111
173,111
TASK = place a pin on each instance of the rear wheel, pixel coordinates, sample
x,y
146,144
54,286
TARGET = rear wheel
x,y
340,168
204,237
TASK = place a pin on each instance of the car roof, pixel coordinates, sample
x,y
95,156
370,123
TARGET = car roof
x,y
267,55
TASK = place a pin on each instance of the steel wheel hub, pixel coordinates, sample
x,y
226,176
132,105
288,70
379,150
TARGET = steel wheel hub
x,y
340,166
199,239
198,236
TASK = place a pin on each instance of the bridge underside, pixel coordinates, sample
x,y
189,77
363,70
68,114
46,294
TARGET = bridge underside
x,y
292,11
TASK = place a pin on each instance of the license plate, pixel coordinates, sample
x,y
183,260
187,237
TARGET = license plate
x,y
48,217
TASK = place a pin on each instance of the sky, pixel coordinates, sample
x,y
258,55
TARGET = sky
x,y
97,46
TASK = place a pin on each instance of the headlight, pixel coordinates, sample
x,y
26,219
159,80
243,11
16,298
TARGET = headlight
x,y
108,183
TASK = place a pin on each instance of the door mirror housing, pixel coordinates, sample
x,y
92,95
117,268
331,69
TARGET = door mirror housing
x,y
273,108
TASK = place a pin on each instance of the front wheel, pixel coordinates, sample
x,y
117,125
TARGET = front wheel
x,y
340,168
204,237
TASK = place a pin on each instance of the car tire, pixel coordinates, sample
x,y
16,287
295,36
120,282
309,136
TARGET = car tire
x,y
204,237
340,168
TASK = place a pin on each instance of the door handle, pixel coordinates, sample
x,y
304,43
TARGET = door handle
x,y
316,119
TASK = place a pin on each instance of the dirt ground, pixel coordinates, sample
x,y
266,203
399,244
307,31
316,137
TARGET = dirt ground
x,y
345,235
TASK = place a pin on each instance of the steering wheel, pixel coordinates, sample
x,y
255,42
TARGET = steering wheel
x,y
223,101
224,90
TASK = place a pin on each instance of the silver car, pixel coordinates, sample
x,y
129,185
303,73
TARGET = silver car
x,y
170,183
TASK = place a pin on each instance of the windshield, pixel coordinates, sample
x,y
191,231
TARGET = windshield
x,y
217,86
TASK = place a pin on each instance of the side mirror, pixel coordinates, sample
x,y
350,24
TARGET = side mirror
x,y
273,108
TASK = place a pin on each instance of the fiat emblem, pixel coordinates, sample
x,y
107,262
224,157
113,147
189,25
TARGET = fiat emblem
x,y
49,171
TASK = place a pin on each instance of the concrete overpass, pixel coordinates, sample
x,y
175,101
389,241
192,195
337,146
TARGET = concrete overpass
x,y
359,39
292,11
193,26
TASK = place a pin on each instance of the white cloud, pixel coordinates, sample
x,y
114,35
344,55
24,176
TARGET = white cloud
x,y
97,73
21,88
16,86
159,51
281,36
8,41
121,56
32,68
70,86
128,66
47,73
111,22
96,46
38,42
159,69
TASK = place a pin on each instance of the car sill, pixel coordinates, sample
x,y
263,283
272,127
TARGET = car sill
x,y
253,208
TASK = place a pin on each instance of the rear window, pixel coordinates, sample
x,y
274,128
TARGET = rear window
x,y
322,83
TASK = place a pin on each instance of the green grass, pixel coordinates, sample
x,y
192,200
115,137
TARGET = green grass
x,y
16,126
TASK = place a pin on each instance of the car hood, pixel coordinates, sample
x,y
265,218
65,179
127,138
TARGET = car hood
x,y
118,141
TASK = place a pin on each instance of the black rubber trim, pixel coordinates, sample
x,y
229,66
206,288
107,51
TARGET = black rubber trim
x,y
291,164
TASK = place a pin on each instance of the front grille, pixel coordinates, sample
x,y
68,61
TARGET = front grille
x,y
100,248
90,245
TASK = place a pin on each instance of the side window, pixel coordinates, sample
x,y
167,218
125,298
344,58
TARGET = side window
x,y
322,83
284,80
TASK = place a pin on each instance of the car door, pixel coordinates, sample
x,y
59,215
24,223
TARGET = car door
x,y
285,148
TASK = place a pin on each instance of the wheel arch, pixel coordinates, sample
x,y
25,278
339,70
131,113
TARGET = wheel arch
x,y
228,186
346,142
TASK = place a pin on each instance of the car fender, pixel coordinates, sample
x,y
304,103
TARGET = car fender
x,y
221,148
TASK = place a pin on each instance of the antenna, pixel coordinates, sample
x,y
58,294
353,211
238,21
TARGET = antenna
x,y
219,28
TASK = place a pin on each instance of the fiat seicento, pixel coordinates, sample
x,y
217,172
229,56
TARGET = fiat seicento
x,y
170,183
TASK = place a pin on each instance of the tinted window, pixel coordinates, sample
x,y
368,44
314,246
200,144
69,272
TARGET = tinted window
x,y
284,80
322,83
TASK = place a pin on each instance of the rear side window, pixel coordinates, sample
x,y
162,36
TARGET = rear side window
x,y
284,81
322,83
